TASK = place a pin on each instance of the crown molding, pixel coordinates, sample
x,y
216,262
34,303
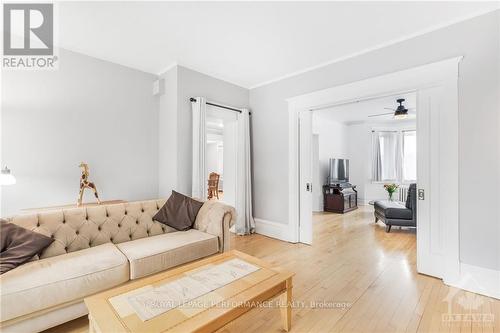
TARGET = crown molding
x,y
374,48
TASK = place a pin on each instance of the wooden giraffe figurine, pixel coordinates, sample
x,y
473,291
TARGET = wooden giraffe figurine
x,y
85,183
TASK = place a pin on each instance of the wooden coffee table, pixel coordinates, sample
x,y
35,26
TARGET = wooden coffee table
x,y
113,310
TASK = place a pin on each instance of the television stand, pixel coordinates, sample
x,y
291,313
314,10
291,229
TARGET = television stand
x,y
340,198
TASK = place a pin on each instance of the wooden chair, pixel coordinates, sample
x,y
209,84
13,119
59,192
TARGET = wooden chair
x,y
213,185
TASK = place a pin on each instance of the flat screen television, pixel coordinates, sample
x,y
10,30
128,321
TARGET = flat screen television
x,y
339,170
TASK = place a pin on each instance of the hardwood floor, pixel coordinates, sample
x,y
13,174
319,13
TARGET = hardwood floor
x,y
356,278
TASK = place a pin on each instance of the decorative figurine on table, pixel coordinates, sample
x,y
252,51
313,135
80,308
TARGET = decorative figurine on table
x,y
85,183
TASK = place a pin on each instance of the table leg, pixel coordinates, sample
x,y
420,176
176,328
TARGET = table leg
x,y
91,325
285,301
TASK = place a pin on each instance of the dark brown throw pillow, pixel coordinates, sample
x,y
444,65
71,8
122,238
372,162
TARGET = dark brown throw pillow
x,y
19,245
179,211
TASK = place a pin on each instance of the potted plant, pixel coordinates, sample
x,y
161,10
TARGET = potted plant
x,y
391,189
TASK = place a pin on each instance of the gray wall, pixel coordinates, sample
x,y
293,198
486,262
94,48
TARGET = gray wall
x,y
167,135
89,110
175,122
478,40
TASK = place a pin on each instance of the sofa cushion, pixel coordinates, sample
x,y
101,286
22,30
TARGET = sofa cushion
x,y
18,245
48,282
154,254
179,212
393,210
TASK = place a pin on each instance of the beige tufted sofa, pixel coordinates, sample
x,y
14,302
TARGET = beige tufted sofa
x,y
97,248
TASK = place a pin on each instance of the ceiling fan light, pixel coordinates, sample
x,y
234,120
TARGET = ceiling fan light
x,y
400,115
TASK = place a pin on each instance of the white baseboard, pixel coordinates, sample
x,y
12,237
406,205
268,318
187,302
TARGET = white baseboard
x,y
363,202
478,280
272,229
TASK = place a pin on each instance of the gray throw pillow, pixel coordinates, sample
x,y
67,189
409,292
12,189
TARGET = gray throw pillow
x,y
179,212
19,245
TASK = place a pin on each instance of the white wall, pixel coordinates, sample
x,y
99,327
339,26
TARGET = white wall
x,y
332,143
212,156
317,196
220,162
479,101
215,155
230,160
88,110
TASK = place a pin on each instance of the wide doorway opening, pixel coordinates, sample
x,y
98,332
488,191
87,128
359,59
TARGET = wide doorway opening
x,y
371,153
362,151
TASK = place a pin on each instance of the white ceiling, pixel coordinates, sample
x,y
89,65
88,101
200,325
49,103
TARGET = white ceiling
x,y
359,112
247,43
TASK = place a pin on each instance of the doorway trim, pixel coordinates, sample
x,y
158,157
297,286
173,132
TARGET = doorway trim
x,y
443,73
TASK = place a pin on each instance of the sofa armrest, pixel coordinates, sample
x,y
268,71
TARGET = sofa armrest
x,y
216,218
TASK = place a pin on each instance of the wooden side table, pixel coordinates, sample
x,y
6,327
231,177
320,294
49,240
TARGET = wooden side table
x,y
340,198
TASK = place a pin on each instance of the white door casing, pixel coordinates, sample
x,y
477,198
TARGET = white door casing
x,y
230,160
437,174
316,179
437,224
305,175
430,232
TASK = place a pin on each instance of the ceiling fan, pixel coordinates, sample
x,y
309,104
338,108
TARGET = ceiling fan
x,y
401,112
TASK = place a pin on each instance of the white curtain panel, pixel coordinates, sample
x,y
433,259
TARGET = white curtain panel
x,y
387,156
245,223
388,148
199,181
377,159
399,157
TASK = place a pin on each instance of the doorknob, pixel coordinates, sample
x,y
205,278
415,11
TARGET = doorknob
x,y
421,194
308,187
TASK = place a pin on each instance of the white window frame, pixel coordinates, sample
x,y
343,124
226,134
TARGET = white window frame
x,y
400,131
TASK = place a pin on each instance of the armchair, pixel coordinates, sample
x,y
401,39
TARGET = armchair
x,y
397,213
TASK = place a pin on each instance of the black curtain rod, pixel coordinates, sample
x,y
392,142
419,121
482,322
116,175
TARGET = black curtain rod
x,y
223,107
192,99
